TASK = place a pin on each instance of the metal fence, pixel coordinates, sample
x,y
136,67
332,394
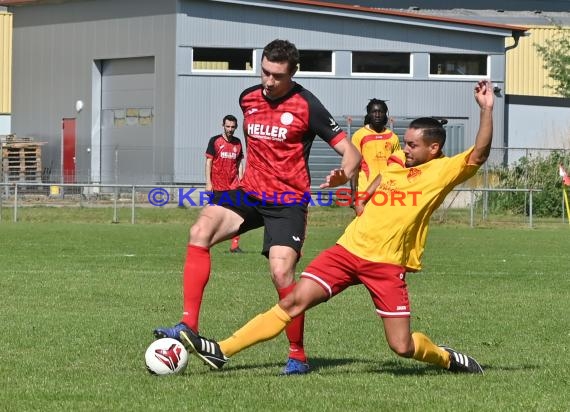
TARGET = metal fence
x,y
466,205
321,161
506,175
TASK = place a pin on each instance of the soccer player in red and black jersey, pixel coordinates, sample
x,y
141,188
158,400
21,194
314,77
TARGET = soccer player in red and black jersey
x,y
224,168
281,120
380,246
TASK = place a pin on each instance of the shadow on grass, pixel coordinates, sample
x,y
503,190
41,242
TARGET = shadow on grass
x,y
340,366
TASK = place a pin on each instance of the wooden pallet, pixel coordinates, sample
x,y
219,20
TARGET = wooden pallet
x,y
21,162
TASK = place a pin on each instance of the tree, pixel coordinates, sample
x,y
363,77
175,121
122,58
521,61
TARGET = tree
x,y
556,54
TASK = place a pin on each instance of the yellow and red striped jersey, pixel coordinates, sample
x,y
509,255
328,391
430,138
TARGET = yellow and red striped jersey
x,y
375,149
393,227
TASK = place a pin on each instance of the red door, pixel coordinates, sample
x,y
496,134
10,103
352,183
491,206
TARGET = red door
x,y
68,140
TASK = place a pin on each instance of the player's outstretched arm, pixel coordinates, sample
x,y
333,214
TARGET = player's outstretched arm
x,y
361,198
348,166
485,98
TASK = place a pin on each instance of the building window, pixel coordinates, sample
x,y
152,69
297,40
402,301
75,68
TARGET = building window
x,y
458,64
381,63
315,61
208,58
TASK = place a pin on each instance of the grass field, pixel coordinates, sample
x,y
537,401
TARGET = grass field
x,y
79,302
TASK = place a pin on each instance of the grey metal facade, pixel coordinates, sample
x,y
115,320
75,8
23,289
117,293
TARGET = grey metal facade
x,y
56,52
55,64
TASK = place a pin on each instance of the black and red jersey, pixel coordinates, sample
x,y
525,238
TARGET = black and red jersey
x,y
279,134
226,156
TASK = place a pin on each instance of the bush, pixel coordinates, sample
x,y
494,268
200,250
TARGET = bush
x,y
530,172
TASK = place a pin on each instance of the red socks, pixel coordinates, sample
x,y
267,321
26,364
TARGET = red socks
x,y
196,275
197,268
295,330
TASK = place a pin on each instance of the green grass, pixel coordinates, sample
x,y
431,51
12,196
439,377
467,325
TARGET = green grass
x,y
79,302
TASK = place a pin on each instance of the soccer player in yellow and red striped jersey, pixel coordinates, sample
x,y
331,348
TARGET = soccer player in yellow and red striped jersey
x,y
380,245
375,142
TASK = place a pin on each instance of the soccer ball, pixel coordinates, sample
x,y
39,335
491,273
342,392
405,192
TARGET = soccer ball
x,y
166,356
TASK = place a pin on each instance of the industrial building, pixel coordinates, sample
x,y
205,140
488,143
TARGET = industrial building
x,y
134,89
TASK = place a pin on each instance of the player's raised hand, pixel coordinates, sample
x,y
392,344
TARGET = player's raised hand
x,y
335,178
484,94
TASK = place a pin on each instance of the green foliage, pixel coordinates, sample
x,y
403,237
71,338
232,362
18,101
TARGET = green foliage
x,y
556,54
540,173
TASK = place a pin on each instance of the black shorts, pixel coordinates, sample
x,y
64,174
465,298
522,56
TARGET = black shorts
x,y
284,225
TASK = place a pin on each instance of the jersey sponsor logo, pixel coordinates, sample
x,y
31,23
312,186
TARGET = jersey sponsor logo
x,y
286,118
413,174
264,131
228,155
389,185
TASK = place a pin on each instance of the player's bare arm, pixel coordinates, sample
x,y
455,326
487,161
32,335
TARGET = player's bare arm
x,y
240,171
348,166
484,97
354,187
361,198
208,175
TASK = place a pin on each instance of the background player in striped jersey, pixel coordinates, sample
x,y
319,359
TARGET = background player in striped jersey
x,y
375,142
281,120
224,168
380,246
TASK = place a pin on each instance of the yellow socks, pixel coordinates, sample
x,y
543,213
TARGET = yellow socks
x,y
427,351
261,328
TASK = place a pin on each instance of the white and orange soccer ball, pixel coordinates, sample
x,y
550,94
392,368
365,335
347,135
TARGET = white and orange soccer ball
x,y
166,356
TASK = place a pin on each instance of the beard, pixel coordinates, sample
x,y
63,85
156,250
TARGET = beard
x,y
377,125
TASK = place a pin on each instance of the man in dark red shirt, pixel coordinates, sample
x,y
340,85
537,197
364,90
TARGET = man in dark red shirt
x,y
224,168
281,120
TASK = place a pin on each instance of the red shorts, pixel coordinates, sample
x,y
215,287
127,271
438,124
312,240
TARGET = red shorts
x,y
336,268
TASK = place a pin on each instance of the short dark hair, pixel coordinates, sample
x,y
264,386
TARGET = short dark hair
x,y
229,117
282,51
432,129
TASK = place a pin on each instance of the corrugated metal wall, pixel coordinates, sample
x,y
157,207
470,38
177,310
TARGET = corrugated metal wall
x,y
5,62
203,99
526,74
56,48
